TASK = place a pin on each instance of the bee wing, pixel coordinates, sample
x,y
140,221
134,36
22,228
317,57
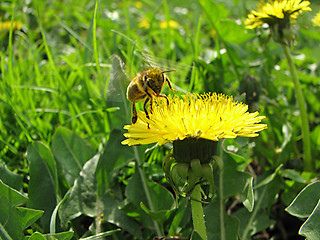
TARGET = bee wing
x,y
116,94
183,69
118,81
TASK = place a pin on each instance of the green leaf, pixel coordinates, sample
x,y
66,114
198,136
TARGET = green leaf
x,y
37,236
10,227
303,205
83,196
195,236
212,218
177,217
215,12
112,214
115,155
11,179
159,216
57,236
230,31
261,220
268,179
13,219
293,175
28,216
161,198
43,181
247,197
101,235
310,228
234,181
71,151
11,195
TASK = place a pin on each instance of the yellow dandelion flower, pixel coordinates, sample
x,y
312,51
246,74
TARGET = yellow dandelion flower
x,y
208,116
172,24
316,20
5,26
138,4
277,11
144,23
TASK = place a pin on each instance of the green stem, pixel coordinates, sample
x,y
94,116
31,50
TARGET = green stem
x,y
303,110
221,197
197,213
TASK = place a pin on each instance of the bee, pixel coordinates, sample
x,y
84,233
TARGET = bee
x,y
146,85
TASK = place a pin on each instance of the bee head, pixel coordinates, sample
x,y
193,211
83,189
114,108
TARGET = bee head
x,y
155,80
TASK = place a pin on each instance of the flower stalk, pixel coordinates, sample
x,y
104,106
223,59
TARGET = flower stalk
x,y
303,110
197,213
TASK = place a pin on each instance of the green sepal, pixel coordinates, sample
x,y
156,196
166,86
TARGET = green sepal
x,y
182,170
196,167
192,181
207,173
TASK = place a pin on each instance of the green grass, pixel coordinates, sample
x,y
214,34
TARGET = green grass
x,y
57,79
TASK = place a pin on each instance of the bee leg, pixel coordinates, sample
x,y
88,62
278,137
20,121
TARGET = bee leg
x,y
145,109
134,114
164,96
170,85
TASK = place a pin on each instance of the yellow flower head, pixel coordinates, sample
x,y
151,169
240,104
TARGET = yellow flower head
x,y
276,11
5,26
172,24
316,20
144,23
207,116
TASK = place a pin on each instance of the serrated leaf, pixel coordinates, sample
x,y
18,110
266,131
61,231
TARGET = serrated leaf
x,y
310,228
83,196
71,151
12,222
114,156
304,204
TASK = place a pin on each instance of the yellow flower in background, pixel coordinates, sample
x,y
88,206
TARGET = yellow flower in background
x,y
276,11
316,20
172,24
138,4
5,26
144,23
208,116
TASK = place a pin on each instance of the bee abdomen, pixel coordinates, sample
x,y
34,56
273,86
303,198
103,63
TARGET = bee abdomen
x,y
134,94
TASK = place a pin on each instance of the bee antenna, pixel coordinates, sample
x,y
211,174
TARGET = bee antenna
x,y
168,71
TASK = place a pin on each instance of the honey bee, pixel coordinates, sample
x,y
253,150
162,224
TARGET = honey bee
x,y
146,85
